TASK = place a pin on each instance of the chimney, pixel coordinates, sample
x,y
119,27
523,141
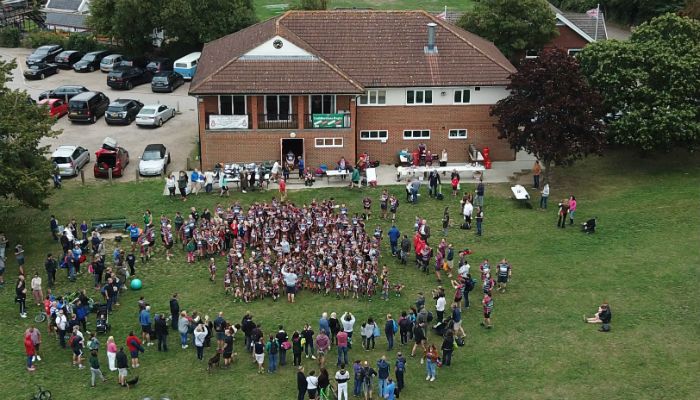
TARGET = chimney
x,y
431,48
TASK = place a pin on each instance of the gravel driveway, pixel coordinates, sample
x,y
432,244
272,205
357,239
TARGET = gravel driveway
x,y
178,134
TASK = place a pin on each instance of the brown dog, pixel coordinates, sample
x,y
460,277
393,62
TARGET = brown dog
x,y
214,360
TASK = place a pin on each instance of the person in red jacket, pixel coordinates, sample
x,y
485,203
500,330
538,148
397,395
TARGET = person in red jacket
x,y
134,345
283,190
29,349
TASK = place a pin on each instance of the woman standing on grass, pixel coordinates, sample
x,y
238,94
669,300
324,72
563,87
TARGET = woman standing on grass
x,y
260,354
111,353
430,357
29,349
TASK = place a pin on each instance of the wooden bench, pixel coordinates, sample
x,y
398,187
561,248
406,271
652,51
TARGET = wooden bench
x,y
109,223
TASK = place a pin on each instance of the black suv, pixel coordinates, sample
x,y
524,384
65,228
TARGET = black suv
x,y
122,111
126,76
166,81
66,59
64,92
160,64
90,61
44,54
87,106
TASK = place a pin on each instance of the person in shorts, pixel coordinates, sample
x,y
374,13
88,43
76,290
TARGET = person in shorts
x,y
220,330
122,366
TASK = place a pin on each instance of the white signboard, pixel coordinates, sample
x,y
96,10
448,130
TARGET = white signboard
x,y
228,122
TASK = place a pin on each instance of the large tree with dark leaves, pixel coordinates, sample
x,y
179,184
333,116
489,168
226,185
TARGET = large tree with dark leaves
x,y
551,112
25,172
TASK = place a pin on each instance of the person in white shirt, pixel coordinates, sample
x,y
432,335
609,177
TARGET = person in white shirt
x,y
170,182
312,384
440,304
467,212
342,377
36,289
209,181
274,173
545,195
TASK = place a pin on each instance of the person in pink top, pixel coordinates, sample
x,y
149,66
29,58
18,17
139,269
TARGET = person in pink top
x,y
342,339
323,344
572,208
111,353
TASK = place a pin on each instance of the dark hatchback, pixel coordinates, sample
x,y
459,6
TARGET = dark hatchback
x,y
65,92
44,54
40,71
122,111
67,58
160,64
166,81
90,61
128,77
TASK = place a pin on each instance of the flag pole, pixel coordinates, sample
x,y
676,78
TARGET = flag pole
x,y
597,15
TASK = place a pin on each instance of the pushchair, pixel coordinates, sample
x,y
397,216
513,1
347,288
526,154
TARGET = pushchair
x,y
102,325
442,326
588,226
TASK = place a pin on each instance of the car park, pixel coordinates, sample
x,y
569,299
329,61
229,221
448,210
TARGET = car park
x,y
110,156
65,92
70,159
40,71
87,106
67,58
166,81
55,107
154,160
126,77
44,54
154,115
122,111
108,62
90,61
160,64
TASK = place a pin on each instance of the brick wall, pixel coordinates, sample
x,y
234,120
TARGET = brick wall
x,y
567,39
439,120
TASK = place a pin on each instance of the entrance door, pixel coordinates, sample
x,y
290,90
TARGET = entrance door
x,y
290,151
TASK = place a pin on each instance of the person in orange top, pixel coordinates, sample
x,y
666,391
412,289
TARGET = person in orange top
x,y
29,349
536,171
283,190
431,359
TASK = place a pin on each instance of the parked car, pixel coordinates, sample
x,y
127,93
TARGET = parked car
x,y
56,107
166,81
108,62
154,115
154,160
44,54
65,92
90,61
70,159
67,58
187,65
40,71
110,156
87,106
160,64
126,77
122,111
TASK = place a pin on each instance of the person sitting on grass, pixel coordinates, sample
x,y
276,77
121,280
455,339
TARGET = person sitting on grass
x,y
603,316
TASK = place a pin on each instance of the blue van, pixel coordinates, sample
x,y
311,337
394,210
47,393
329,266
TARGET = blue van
x,y
186,65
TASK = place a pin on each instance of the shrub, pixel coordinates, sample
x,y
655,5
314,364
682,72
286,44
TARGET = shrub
x,y
40,38
84,42
9,37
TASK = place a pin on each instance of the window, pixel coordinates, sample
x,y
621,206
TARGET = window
x,y
419,96
457,134
232,105
532,54
374,135
416,134
373,97
278,108
322,104
573,52
329,142
462,96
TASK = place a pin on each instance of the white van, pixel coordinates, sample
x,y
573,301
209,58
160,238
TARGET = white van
x,y
186,65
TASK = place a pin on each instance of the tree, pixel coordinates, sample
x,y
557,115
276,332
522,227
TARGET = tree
x,y
130,21
25,172
551,111
650,84
514,26
312,5
691,9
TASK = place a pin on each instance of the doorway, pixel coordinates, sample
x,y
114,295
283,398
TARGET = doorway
x,y
290,151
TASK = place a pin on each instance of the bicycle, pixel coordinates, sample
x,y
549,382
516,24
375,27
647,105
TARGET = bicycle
x,y
41,394
41,317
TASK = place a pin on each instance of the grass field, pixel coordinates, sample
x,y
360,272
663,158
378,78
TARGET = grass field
x,y
643,261
269,8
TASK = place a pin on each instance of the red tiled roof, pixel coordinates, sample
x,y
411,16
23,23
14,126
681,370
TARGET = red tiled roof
x,y
363,48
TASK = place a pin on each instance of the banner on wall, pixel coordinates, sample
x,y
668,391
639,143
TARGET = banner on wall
x,y
228,122
328,120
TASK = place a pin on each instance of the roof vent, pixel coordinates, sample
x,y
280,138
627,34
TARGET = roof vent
x,y
431,48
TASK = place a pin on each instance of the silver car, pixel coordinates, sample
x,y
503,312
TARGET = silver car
x,y
154,115
70,159
107,64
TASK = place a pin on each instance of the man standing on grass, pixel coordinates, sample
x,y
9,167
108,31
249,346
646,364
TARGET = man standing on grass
x,y
145,321
504,273
400,369
323,344
174,311
479,220
219,328
51,266
479,199
394,235
382,375
488,307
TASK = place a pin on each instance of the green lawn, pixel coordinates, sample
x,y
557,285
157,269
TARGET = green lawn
x,y
643,261
269,8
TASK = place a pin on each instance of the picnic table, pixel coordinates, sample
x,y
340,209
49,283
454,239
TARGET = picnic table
x,y
521,194
335,172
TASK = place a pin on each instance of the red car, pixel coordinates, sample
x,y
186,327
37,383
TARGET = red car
x,y
56,107
117,159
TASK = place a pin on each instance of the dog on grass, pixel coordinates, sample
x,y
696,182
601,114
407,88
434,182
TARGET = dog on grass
x,y
214,360
132,382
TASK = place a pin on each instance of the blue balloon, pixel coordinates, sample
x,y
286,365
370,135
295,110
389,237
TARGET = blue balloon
x,y
136,284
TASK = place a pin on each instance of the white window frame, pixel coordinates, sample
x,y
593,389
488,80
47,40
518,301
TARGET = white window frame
x,y
422,103
576,51
333,142
277,96
383,138
462,90
371,98
245,102
334,104
413,131
457,135
531,56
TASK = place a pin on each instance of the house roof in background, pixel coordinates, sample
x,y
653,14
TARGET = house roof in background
x,y
66,19
67,5
582,23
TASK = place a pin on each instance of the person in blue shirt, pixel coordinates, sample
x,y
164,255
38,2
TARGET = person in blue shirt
x,y
382,375
145,321
394,236
300,164
389,390
194,181
323,323
134,233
